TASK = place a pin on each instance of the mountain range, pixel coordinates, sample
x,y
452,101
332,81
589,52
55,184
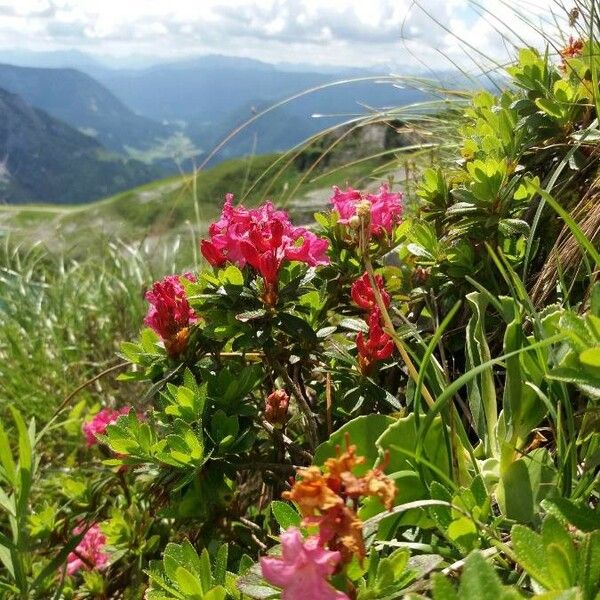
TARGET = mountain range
x,y
43,159
162,119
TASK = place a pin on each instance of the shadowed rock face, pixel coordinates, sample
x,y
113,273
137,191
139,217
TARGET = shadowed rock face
x,y
45,160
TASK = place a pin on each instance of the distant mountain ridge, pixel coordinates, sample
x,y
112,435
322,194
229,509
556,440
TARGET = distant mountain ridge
x,y
168,117
83,103
213,87
43,159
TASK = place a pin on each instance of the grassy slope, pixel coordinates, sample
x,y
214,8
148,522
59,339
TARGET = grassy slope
x,y
172,206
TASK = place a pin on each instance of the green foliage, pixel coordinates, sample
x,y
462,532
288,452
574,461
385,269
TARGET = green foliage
x,y
464,465
183,575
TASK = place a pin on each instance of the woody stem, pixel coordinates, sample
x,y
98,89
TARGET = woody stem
x,y
302,405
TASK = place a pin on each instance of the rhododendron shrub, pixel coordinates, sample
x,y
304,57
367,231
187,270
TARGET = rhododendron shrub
x,y
242,364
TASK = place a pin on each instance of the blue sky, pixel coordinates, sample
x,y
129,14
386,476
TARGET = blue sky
x,y
346,32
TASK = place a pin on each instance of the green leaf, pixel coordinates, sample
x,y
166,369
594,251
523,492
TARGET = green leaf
x,y
554,534
588,574
443,589
6,458
217,593
188,583
220,566
205,571
591,357
531,554
479,579
231,276
285,515
251,315
581,516
558,567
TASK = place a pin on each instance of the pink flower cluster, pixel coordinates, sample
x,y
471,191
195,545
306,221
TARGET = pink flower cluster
x,y
379,345
170,311
89,553
100,421
263,237
303,568
386,207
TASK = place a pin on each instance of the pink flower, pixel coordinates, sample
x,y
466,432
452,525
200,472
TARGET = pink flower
x,y
89,552
170,313
386,207
378,346
100,421
344,203
363,295
303,569
263,238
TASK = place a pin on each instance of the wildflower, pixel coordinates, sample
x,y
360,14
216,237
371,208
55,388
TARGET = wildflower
x,y
572,49
363,295
323,498
276,407
89,553
263,238
373,483
385,207
378,346
303,568
341,530
170,313
100,421
344,203
312,492
342,465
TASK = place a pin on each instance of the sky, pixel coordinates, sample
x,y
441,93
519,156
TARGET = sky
x,y
361,33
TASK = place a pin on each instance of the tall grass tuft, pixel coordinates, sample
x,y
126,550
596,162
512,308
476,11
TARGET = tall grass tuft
x,y
62,320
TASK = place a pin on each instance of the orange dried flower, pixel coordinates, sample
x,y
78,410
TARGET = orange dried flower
x,y
344,462
323,499
380,485
573,49
311,493
342,530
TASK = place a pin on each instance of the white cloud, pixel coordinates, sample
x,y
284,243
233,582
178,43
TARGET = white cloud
x,y
350,32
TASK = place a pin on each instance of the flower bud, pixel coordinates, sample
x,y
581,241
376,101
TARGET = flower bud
x,y
354,222
276,408
363,208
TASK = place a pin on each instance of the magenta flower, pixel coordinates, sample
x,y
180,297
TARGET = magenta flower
x,y
363,295
386,207
303,569
263,238
89,553
100,421
170,313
